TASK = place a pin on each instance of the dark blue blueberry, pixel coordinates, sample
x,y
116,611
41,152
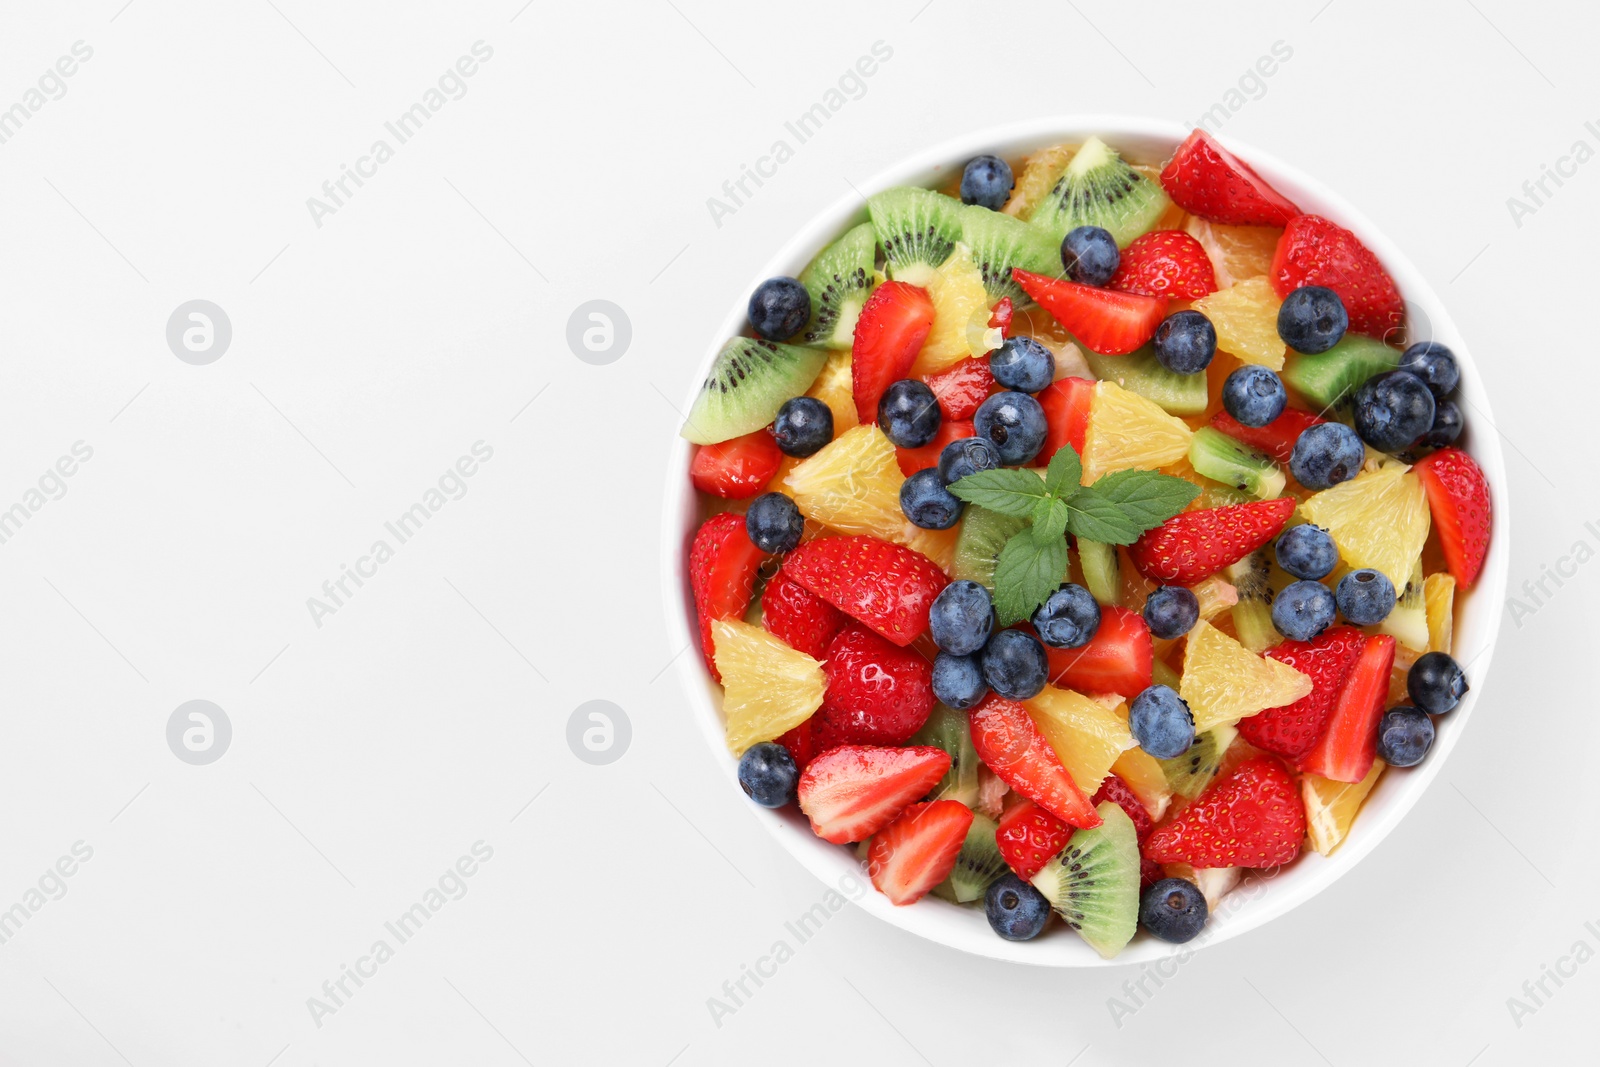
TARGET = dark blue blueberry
x,y
986,181
1365,597
1392,410
804,424
1435,365
1404,736
1173,909
969,455
1069,617
1307,552
1447,426
1015,910
1254,395
1312,319
927,503
961,617
1161,722
1014,423
779,308
1185,342
1023,364
1325,455
1303,610
1436,683
774,523
908,413
958,680
1014,665
1089,254
1171,611
767,774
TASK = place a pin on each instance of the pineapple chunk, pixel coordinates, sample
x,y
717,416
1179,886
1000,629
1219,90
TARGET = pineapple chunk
x,y
1086,735
768,687
1379,519
1439,593
1246,317
1224,682
1332,806
833,387
960,316
1127,430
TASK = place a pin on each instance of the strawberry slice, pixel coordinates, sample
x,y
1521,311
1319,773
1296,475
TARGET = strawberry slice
x,y
888,587
801,618
1029,837
918,850
1166,263
737,468
1458,496
1000,318
912,460
802,747
1193,546
962,388
894,322
1350,744
1276,438
1206,179
851,793
1104,320
1314,251
1122,795
878,693
1066,413
1251,818
1118,659
1291,730
722,574
1012,747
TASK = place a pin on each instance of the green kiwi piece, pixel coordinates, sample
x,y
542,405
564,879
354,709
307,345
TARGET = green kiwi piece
x,y
838,281
1222,459
1098,188
749,382
1102,571
946,728
1327,378
983,534
1094,883
977,865
1190,773
1253,578
1141,372
1408,622
918,229
1162,674
1220,496
1000,243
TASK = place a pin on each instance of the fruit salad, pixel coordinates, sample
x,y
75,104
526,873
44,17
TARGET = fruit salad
x,y
1081,536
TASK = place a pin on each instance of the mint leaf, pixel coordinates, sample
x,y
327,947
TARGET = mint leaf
x,y
1094,517
1025,574
1010,492
1061,478
1146,498
1049,521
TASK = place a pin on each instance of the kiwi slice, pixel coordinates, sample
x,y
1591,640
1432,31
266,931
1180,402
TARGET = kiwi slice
x,y
749,382
1408,622
977,865
1161,673
918,229
1098,188
1253,577
1000,243
1220,496
838,281
1327,378
1094,883
1190,773
1223,459
946,729
1102,571
983,534
1141,372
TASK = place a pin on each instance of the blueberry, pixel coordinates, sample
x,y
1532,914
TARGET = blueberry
x,y
1447,426
779,308
1303,610
986,181
767,774
1392,410
1436,683
1016,911
1185,342
1068,618
1307,552
1254,395
961,617
1312,319
927,503
1435,365
1014,423
1365,596
1161,722
1014,665
1174,910
1089,254
908,413
1404,736
1023,364
1325,455
774,523
958,680
804,424
969,455
1171,611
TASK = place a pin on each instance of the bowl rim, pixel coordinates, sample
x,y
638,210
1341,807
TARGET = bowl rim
x,y
963,928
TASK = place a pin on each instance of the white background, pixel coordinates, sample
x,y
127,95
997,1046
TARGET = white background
x,y
371,752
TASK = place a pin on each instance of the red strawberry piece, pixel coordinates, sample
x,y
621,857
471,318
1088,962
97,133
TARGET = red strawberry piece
x,y
1314,251
1193,546
888,587
1012,747
1122,795
801,745
801,618
1066,412
1029,836
1252,818
878,693
1166,263
912,460
1104,320
1001,317
962,387
1350,743
1206,179
738,468
894,322
1150,872
1328,660
918,850
722,574
851,793
1458,496
1118,659
1276,438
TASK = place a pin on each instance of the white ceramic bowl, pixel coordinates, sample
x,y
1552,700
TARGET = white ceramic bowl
x,y
1258,900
